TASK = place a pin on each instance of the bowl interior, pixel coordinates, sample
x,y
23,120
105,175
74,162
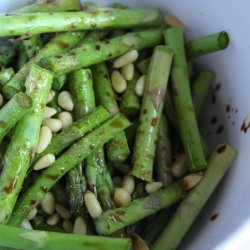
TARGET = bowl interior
x,y
228,101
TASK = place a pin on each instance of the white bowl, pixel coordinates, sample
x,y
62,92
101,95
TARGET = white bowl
x,y
231,199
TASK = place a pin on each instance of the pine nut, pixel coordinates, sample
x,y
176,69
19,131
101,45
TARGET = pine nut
x,y
32,214
68,226
122,197
92,204
45,137
139,86
48,203
54,124
125,59
65,101
179,167
26,224
80,226
128,71
173,21
118,82
153,186
62,211
44,162
51,95
48,112
53,219
191,180
117,181
66,119
1,99
139,243
129,184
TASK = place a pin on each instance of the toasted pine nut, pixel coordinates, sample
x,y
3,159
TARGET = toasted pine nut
x,y
54,124
118,82
62,211
68,226
26,224
129,183
122,197
48,203
139,243
1,100
125,59
51,95
92,204
65,101
66,119
153,186
128,71
173,21
139,86
191,180
48,112
44,162
80,226
53,219
32,214
45,137
117,181
179,167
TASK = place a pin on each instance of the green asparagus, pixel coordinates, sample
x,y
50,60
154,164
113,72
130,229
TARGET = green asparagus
x,y
200,89
74,132
59,82
7,53
50,6
164,155
17,238
187,123
130,103
115,219
74,155
117,149
207,44
30,23
152,105
59,44
32,45
93,53
12,112
5,76
22,57
21,149
190,207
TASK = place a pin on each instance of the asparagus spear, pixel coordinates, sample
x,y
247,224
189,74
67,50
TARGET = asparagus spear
x,y
30,24
7,53
13,111
200,89
78,129
130,103
5,76
143,65
59,44
69,159
12,237
152,105
93,53
22,57
164,155
207,44
50,6
23,143
170,109
115,219
117,149
190,207
93,36
59,82
187,123
32,45
96,170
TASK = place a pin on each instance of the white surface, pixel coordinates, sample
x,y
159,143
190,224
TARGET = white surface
x,y
231,200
